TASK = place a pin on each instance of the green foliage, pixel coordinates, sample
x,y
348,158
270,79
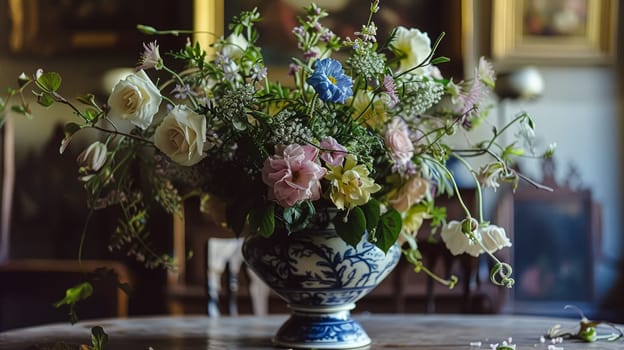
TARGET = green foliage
x,y
49,82
98,338
351,225
371,211
388,229
72,296
45,100
298,217
262,220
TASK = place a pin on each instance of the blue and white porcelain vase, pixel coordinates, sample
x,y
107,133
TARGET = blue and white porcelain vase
x,y
321,277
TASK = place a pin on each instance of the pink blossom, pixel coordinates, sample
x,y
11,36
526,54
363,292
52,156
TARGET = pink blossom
x,y
398,141
293,174
334,152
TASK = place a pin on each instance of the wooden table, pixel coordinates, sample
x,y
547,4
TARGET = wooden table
x,y
404,331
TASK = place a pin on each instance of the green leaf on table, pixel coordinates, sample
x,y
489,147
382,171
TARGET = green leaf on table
x,y
372,211
351,228
262,220
98,338
388,229
49,81
72,296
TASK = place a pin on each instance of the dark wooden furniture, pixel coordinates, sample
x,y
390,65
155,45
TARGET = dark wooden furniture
x,y
29,288
555,236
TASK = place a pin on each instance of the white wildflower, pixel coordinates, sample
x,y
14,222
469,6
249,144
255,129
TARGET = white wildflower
x,y
414,45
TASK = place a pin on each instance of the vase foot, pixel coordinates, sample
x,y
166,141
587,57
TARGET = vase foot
x,y
331,329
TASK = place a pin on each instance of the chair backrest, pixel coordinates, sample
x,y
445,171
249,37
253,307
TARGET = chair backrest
x,y
212,276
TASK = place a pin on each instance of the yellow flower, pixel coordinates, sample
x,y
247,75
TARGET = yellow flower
x,y
350,184
413,219
374,115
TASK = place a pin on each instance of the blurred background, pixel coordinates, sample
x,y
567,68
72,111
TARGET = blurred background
x,y
560,61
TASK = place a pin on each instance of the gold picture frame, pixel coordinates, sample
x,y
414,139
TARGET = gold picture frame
x,y
554,32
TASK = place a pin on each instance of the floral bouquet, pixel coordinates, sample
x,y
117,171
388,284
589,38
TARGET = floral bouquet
x,y
365,129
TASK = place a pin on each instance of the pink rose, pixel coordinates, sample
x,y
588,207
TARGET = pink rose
x,y
335,152
293,174
398,141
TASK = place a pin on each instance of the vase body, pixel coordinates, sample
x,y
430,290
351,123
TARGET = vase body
x,y
321,278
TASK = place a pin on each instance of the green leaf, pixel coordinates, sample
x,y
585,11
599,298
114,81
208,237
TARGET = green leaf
x,y
372,211
91,114
45,100
49,81
2,105
98,338
440,59
88,99
298,217
19,109
511,150
388,229
75,294
262,220
351,228
71,128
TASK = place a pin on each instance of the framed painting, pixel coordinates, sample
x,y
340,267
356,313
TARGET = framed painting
x,y
346,17
45,28
554,31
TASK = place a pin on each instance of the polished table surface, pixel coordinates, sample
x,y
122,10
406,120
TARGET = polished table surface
x,y
401,331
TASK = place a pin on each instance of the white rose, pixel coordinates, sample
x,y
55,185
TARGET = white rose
x,y
234,46
181,136
415,45
494,238
135,99
458,242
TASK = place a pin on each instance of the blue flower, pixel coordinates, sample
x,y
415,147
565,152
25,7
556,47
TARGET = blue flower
x,y
330,82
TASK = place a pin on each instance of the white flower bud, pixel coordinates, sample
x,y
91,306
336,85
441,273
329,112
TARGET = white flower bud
x,y
93,157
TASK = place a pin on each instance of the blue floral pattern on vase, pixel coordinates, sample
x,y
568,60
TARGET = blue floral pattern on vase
x,y
321,277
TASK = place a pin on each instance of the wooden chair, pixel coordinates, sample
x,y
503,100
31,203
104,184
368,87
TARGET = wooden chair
x,y
212,275
555,237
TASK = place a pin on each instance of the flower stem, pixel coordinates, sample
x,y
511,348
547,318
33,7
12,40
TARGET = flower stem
x,y
477,184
